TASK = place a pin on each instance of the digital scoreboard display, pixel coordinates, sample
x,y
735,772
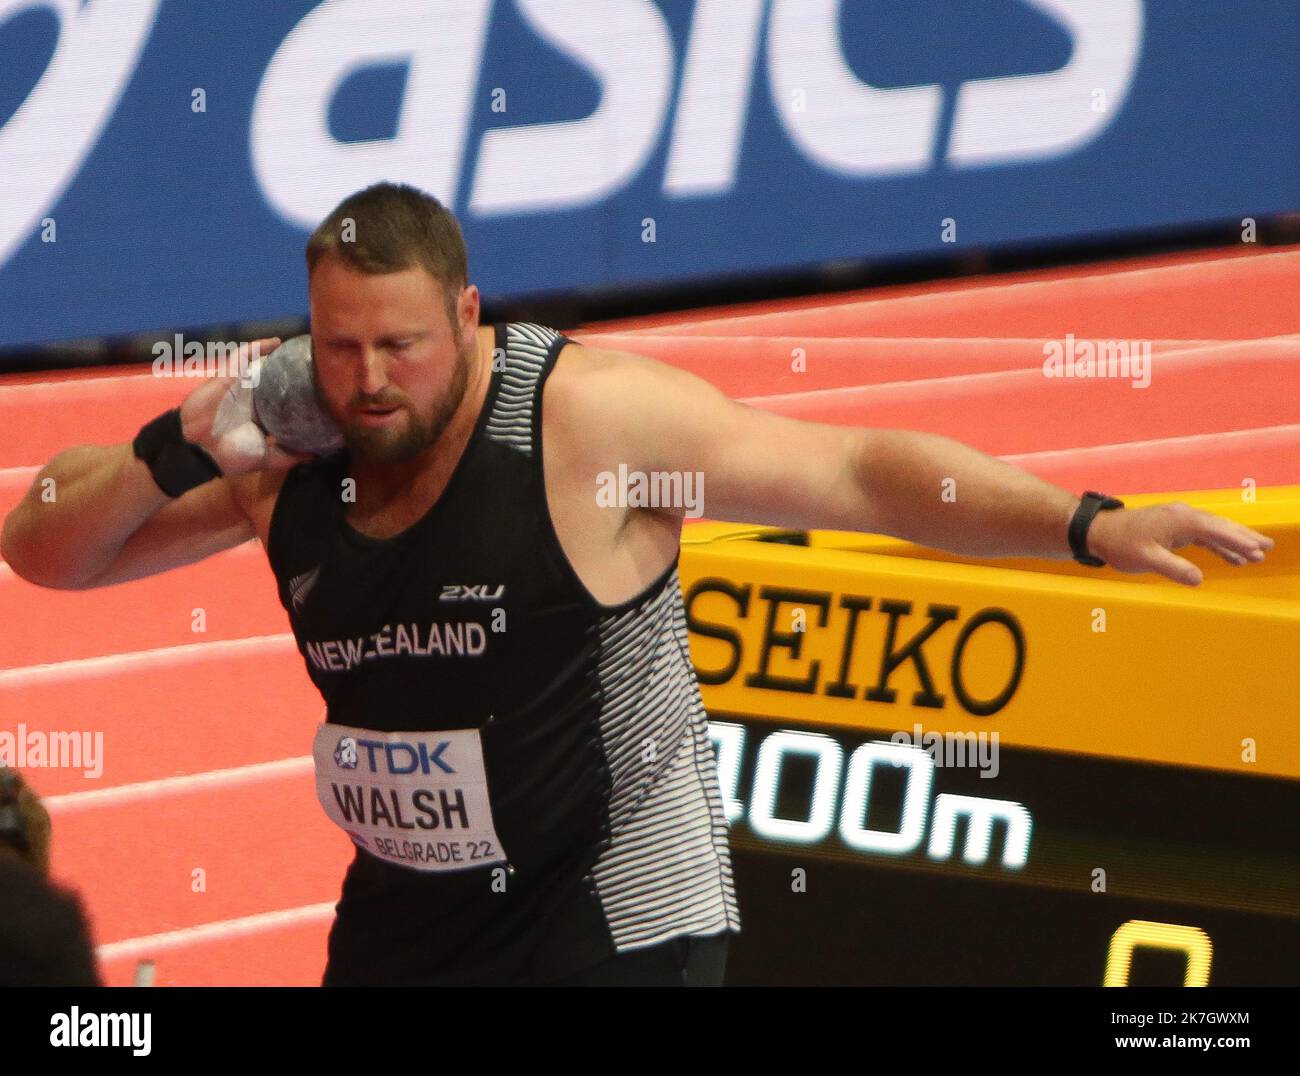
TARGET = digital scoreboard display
x,y
1010,773
863,860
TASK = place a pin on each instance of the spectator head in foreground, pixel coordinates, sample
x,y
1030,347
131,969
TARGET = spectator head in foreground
x,y
44,936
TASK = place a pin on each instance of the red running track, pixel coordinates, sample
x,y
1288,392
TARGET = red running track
x,y
201,846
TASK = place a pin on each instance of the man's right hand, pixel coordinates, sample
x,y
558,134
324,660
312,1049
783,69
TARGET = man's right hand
x,y
218,417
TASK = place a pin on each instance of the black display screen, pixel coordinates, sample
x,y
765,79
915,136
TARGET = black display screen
x,y
865,862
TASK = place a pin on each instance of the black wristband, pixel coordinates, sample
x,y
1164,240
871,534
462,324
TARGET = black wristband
x,y
176,464
1091,504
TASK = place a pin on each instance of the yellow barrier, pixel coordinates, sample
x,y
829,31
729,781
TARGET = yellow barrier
x,y
868,632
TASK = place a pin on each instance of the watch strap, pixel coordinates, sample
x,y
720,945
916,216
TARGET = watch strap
x,y
1091,503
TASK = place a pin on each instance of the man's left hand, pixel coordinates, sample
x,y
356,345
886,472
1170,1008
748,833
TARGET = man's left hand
x,y
1142,540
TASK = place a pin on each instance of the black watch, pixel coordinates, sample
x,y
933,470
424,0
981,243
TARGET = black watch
x,y
1091,504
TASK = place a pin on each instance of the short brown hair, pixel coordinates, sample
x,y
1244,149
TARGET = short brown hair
x,y
396,227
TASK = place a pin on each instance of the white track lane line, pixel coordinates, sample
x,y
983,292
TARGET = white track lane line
x,y
218,931
1221,437
76,668
166,786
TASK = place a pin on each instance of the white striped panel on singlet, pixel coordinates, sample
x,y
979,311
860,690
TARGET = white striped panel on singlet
x,y
667,870
511,420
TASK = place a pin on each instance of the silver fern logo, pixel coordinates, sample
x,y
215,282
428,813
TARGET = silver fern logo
x,y
300,586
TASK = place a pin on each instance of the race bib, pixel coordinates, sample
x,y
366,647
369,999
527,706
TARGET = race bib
x,y
417,799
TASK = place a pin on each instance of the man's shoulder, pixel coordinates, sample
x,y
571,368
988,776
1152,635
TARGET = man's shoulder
x,y
623,387
590,406
583,368
588,386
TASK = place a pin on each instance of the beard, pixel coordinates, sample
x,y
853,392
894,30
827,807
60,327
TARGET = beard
x,y
410,433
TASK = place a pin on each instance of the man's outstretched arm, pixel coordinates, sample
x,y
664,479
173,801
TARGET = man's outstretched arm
x,y
759,467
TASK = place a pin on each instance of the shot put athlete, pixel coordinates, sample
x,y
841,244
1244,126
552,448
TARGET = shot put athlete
x,y
514,737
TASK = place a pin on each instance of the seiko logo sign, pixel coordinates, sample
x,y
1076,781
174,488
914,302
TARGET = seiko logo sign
x,y
829,113
906,635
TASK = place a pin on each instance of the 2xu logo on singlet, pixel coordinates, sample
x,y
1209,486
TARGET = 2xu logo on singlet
x,y
418,799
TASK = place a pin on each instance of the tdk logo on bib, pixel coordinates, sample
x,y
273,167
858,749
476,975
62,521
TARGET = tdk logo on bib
x,y
397,795
385,757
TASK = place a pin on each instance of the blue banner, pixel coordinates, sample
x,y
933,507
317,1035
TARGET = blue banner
x,y
163,161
